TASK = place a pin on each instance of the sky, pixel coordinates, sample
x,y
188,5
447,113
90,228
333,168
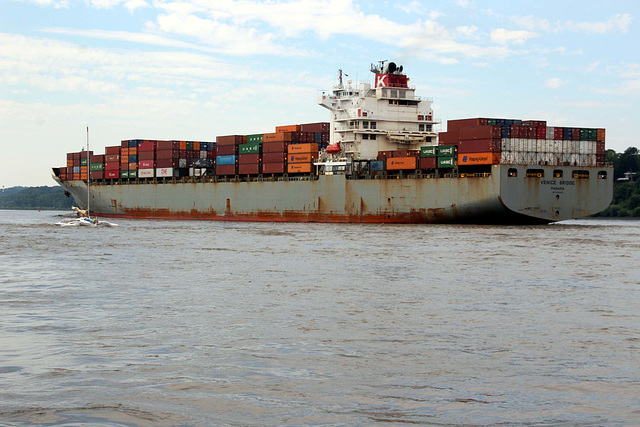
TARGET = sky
x,y
196,69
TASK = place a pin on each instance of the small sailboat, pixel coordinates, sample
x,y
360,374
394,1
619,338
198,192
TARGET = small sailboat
x,y
83,217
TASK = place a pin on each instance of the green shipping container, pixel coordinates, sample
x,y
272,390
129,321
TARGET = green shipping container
x,y
96,167
491,122
124,174
446,150
254,138
189,145
446,162
250,148
428,151
83,161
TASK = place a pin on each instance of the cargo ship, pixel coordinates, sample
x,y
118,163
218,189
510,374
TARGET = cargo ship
x,y
378,159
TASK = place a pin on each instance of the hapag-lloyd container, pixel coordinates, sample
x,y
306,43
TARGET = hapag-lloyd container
x,y
311,148
402,163
299,167
478,159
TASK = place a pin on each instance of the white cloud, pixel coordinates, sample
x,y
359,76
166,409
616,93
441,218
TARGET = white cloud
x,y
414,7
532,23
503,36
619,23
554,83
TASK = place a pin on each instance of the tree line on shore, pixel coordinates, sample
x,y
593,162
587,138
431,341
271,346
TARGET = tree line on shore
x,y
626,194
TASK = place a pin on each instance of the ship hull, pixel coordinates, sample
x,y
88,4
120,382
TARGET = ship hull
x,y
495,198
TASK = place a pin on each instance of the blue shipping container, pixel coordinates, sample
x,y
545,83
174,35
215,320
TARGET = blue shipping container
x,y
377,165
227,160
133,158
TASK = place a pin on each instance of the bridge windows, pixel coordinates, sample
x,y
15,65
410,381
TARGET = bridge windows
x,y
558,173
602,174
580,174
512,172
535,173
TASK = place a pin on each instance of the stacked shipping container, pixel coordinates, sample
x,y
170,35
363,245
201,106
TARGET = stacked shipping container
x,y
507,141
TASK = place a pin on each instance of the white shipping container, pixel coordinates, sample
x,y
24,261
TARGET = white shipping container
x,y
505,144
145,173
531,145
164,172
557,146
550,132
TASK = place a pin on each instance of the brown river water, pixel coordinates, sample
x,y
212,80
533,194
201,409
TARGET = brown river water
x,y
219,323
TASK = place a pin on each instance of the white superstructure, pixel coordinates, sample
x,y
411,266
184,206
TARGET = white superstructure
x,y
387,116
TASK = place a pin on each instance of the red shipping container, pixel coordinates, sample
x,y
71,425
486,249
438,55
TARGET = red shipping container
x,y
146,155
227,150
112,150
480,146
96,174
226,170
167,154
146,164
70,156
167,145
76,156
113,166
165,163
600,134
447,138
273,168
558,132
455,125
249,158
575,134
230,140
541,132
274,147
146,146
600,147
249,168
480,132
111,174
111,158
96,158
273,157
315,127
427,163
398,153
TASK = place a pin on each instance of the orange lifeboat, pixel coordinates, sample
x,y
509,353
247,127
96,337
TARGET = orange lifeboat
x,y
334,148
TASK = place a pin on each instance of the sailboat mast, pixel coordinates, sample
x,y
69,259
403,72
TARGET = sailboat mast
x,y
88,174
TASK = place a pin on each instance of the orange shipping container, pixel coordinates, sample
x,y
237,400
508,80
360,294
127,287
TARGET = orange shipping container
x,y
311,148
479,159
290,128
400,163
302,157
196,146
133,166
124,151
299,167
